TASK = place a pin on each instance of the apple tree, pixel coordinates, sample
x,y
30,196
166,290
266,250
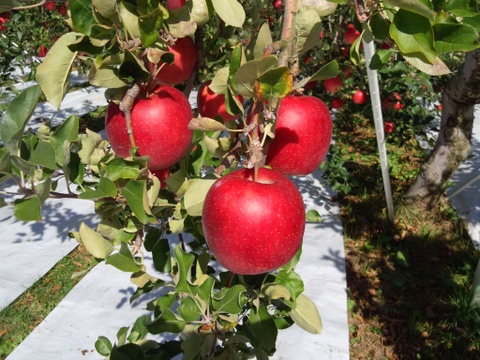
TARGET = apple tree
x,y
204,190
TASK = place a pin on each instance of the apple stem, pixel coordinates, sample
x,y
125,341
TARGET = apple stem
x,y
126,107
288,55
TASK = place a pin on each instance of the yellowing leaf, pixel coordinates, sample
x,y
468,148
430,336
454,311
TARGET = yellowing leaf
x,y
306,315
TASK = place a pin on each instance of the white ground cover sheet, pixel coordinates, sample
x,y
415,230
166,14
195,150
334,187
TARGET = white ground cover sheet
x,y
99,304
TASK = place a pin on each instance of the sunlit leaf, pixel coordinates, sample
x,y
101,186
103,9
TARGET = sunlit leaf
x,y
82,15
206,124
195,195
248,73
308,27
306,315
129,19
44,155
53,73
108,9
123,260
95,243
28,209
230,11
455,37
16,116
463,8
135,192
103,346
230,300
274,83
264,38
436,69
414,6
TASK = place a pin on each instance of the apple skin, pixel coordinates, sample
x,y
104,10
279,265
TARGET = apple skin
x,y
184,61
333,85
303,133
337,103
175,4
4,18
351,34
389,127
253,227
160,127
162,175
62,10
212,105
359,97
50,5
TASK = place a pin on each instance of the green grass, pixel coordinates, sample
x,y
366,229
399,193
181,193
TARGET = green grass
x,y
22,316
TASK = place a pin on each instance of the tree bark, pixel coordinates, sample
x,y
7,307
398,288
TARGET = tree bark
x,y
453,144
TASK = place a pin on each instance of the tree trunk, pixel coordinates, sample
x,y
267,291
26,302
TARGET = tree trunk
x,y
453,144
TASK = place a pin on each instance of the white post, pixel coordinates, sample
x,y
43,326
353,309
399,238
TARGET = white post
x,y
369,49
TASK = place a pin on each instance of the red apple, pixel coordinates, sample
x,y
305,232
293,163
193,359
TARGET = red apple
x,y
212,105
175,4
303,133
398,105
4,18
388,127
277,3
359,97
253,227
42,52
162,175
185,58
337,103
333,85
351,34
62,10
50,5
160,127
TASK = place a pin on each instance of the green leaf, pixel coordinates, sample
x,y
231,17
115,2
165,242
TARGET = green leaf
x,y
103,346
68,130
230,300
401,259
314,216
413,35
28,209
473,21
380,27
264,329
95,243
206,124
436,69
277,291
380,58
53,73
189,310
463,8
308,26
274,83
166,322
106,188
414,6
16,116
123,260
230,11
455,37
82,15
306,315
150,25
248,73
129,19
128,351
132,67
7,5
328,71
108,9
105,77
44,155
195,195
185,262
120,168
292,281
264,38
135,192
237,59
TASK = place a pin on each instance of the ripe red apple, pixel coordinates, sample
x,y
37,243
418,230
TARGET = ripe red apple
x,y
175,4
42,52
333,85
160,127
359,97
351,34
4,18
277,3
185,58
398,105
253,227
212,105
388,127
50,5
337,103
62,10
303,133
162,175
